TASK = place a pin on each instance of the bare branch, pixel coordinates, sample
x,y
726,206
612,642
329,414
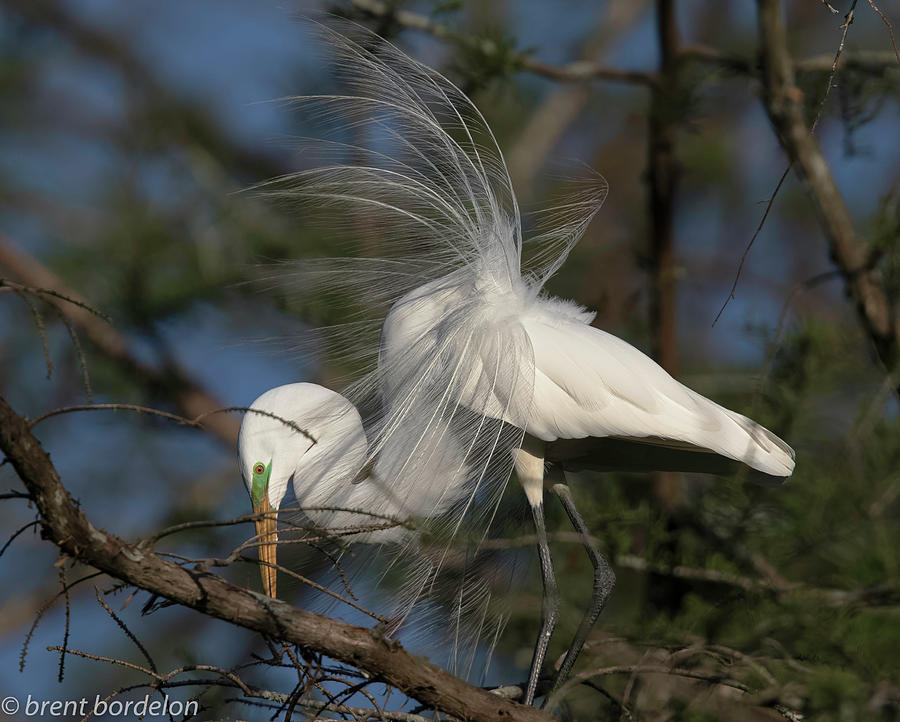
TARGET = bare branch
x,y
45,607
784,104
873,62
67,526
762,221
890,28
845,27
228,678
874,596
580,71
194,422
870,62
124,627
15,534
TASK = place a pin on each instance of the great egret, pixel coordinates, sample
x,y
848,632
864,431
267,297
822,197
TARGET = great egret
x,y
308,434
314,438
473,350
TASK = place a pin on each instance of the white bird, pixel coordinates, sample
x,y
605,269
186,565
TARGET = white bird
x,y
313,438
473,353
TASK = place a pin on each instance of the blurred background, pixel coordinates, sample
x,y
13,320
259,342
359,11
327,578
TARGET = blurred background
x,y
129,133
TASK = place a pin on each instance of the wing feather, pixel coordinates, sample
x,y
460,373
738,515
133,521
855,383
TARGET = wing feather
x,y
589,383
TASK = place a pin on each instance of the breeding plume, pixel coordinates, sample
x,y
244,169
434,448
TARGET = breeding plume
x,y
314,439
473,355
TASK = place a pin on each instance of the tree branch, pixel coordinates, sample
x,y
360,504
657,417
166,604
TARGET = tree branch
x,y
870,62
881,595
784,104
67,527
578,71
662,180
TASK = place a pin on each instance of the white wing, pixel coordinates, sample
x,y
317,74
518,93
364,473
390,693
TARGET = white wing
x,y
589,383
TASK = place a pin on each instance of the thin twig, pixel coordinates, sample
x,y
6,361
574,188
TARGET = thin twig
x,y
79,354
169,382
12,494
16,533
128,633
762,222
890,28
870,62
845,27
228,678
784,104
184,421
661,669
320,588
39,325
35,291
45,607
877,596
151,541
848,20
65,644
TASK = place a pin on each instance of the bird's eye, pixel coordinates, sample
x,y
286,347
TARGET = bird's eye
x,y
258,468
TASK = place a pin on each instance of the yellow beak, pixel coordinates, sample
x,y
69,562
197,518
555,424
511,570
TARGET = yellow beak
x,y
266,539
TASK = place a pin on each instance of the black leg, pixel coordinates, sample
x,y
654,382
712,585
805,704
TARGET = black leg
x,y
604,581
549,603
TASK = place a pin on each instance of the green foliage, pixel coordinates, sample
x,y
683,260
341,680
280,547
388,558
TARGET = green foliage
x,y
442,7
789,591
480,60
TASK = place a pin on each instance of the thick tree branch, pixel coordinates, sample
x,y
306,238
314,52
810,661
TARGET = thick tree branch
x,y
170,383
662,180
67,527
784,104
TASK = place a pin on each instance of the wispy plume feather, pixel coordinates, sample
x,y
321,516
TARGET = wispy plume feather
x,y
409,172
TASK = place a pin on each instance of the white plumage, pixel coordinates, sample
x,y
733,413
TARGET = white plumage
x,y
314,439
322,463
478,370
586,382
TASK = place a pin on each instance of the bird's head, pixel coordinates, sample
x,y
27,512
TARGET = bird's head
x,y
271,447
305,434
